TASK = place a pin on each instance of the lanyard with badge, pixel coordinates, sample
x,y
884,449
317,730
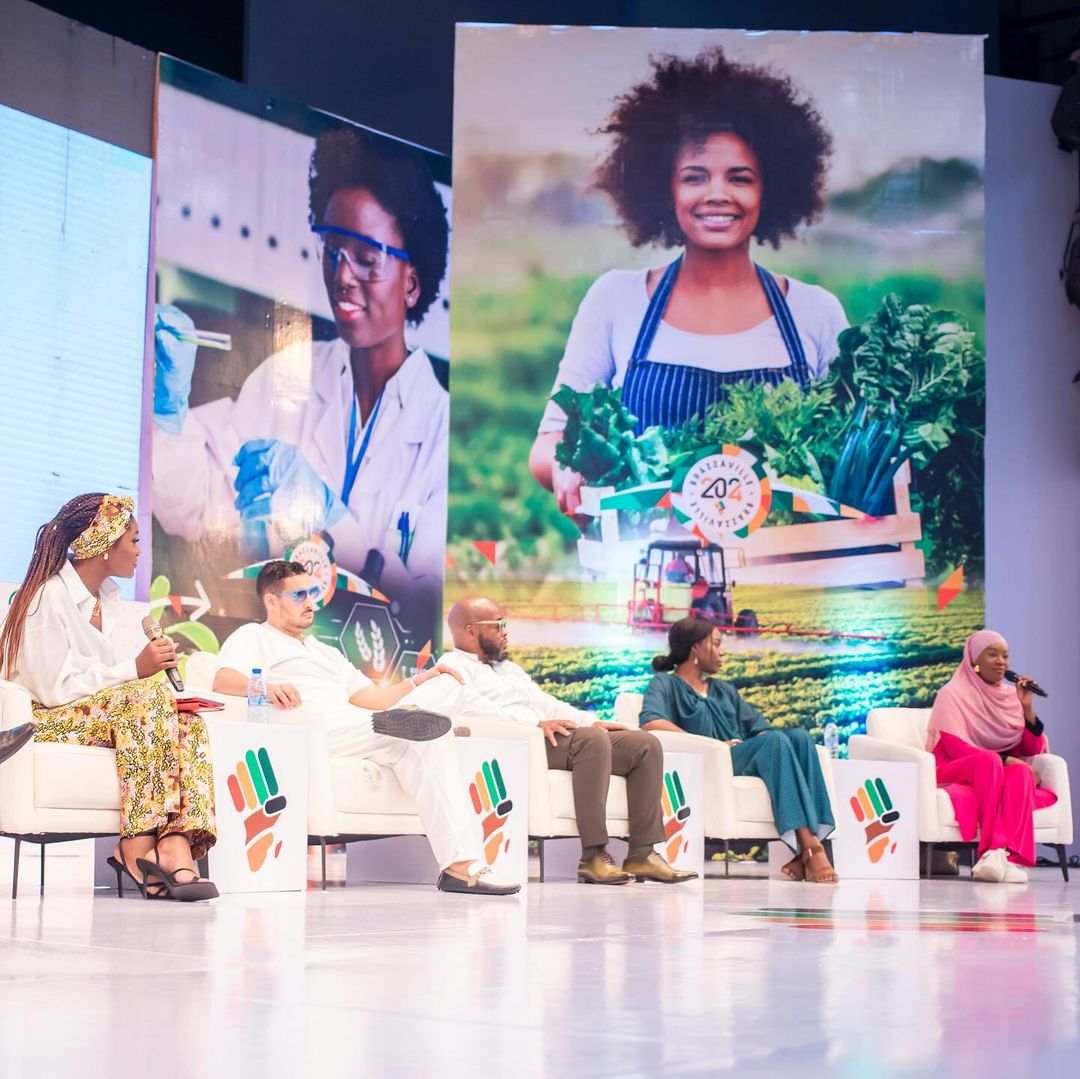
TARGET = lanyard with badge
x,y
354,458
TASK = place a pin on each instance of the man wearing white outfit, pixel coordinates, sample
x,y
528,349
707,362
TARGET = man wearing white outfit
x,y
303,673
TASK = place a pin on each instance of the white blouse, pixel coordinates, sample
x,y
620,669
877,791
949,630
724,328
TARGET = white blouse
x,y
62,657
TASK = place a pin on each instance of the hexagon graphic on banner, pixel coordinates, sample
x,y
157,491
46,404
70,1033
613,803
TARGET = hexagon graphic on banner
x,y
371,639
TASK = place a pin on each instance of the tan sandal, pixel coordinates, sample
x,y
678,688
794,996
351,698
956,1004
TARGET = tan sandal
x,y
819,876
795,869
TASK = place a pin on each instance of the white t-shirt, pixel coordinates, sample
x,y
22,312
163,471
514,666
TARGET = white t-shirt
x,y
606,326
62,657
505,690
321,673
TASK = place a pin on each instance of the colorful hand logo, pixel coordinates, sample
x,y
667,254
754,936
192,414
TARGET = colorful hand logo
x,y
254,786
871,803
488,795
676,811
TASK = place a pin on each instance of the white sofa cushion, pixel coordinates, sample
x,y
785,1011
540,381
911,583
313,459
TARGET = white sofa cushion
x,y
75,777
362,786
560,784
752,800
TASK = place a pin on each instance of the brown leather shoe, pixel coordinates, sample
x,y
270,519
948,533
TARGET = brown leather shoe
x,y
655,868
601,869
12,741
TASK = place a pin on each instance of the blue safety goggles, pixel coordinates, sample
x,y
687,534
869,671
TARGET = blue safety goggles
x,y
365,256
298,595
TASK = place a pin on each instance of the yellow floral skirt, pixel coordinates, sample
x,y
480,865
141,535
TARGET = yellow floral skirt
x,y
162,757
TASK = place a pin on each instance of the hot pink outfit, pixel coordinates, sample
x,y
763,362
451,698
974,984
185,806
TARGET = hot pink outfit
x,y
972,724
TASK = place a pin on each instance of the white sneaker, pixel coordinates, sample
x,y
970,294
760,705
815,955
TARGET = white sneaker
x,y
1013,874
990,868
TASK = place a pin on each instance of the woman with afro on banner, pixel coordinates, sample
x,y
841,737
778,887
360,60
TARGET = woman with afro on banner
x,y
708,155
67,641
347,436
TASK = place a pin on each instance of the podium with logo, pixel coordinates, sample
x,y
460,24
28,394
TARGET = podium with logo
x,y
261,790
495,791
877,835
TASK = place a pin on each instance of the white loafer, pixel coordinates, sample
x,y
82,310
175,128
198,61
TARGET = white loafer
x,y
1013,874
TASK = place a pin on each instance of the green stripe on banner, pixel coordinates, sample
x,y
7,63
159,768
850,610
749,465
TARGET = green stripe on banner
x,y
678,787
671,791
636,498
268,771
871,792
498,779
490,780
886,800
256,775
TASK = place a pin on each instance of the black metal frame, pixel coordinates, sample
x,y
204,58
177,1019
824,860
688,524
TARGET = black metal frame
x,y
323,841
42,839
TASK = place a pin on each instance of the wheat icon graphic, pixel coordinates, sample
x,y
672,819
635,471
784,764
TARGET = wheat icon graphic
x,y
373,652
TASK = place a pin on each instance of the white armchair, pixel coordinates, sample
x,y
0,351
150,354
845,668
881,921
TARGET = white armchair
x,y
349,798
736,807
899,734
53,793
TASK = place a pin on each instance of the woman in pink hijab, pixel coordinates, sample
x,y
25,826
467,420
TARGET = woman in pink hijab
x,y
979,730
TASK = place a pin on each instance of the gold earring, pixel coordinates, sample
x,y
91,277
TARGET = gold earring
x,y
695,661
976,668
106,556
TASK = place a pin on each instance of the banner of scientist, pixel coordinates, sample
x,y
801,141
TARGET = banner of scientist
x,y
301,344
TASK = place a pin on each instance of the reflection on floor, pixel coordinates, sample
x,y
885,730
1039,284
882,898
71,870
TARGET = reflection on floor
x,y
896,978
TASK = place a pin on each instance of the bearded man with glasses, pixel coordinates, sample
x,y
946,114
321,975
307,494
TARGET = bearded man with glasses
x,y
394,726
591,750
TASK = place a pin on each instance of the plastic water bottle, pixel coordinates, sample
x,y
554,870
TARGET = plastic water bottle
x,y
831,739
256,709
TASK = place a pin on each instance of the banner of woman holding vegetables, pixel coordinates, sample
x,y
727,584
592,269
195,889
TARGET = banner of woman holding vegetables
x,y
717,347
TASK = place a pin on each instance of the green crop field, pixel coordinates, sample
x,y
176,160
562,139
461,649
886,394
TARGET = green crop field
x,y
792,687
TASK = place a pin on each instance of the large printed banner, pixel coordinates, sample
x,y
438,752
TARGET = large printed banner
x,y
300,403
718,340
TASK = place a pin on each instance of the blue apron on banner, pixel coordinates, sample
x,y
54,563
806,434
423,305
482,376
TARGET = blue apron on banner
x,y
670,394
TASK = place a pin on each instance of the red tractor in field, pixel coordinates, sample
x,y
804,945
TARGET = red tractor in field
x,y
678,577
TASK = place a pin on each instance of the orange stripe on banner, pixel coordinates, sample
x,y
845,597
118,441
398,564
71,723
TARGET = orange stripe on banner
x,y
258,851
868,809
245,784
237,794
665,802
481,786
857,810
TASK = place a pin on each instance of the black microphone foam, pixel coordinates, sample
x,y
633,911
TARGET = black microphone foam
x,y
1012,676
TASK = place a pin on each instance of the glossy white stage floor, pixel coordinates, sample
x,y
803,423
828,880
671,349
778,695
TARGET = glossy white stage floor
x,y
745,975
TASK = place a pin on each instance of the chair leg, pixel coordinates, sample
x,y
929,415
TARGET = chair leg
x,y
15,871
322,853
727,858
1063,862
41,862
928,860
540,851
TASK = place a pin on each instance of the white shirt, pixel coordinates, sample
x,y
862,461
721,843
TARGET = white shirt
x,y
606,326
62,657
303,395
506,690
322,674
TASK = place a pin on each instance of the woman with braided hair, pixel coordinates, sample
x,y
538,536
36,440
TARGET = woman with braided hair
x,y
63,640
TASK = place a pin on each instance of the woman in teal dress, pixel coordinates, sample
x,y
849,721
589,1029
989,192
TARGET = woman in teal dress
x,y
685,697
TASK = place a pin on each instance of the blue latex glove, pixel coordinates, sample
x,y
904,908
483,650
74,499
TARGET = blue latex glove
x,y
275,480
174,364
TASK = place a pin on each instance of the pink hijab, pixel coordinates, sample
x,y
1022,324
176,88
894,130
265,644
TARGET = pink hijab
x,y
989,717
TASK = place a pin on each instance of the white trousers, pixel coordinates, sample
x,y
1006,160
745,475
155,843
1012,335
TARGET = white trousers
x,y
427,771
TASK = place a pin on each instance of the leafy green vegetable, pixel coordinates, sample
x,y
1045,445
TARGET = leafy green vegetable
x,y
781,419
599,441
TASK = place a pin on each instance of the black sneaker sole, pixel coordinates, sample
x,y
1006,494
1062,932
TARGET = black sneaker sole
x,y
411,724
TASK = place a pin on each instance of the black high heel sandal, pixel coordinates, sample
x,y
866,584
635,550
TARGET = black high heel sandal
x,y
190,892
120,868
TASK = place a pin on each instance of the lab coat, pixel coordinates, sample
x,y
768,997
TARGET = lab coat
x,y
303,395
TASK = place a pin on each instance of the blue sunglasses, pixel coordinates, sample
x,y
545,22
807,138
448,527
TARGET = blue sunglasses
x,y
298,595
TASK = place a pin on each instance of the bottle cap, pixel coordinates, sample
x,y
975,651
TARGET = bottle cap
x,y
256,670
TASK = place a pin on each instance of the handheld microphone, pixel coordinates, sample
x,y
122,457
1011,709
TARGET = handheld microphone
x,y
152,629
1012,676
